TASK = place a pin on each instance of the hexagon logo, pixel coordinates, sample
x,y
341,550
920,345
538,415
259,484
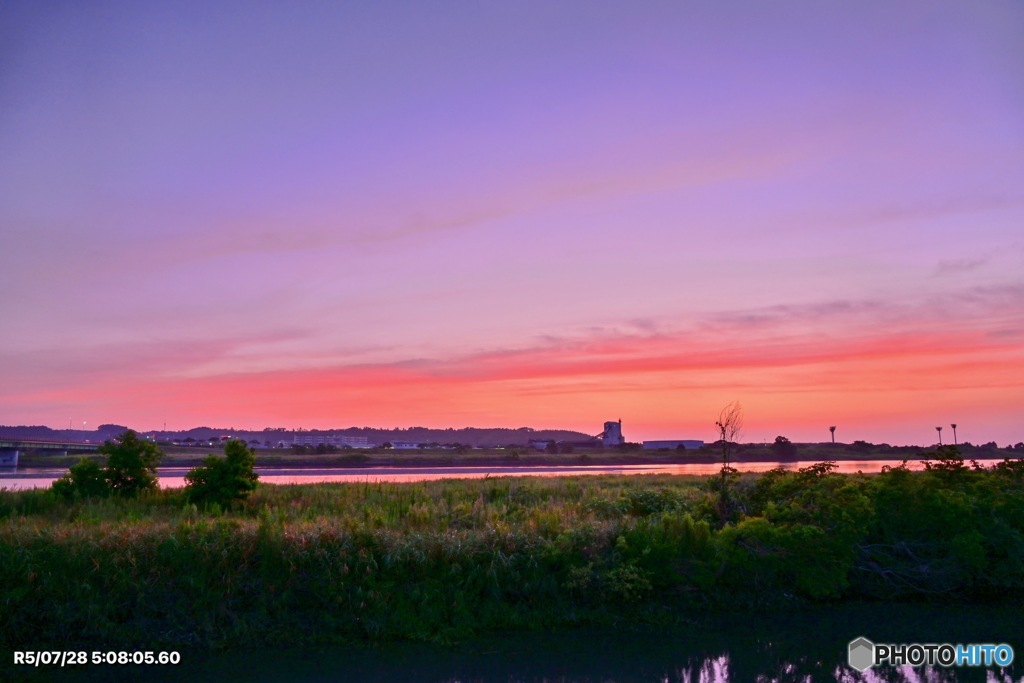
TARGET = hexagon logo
x,y
861,654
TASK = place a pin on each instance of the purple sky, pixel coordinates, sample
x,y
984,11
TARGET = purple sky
x,y
449,214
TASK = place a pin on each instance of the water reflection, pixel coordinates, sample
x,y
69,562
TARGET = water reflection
x,y
783,648
174,477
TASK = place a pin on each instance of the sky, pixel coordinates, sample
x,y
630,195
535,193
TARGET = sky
x,y
449,214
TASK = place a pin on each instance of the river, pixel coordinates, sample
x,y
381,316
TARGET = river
x,y
174,477
807,646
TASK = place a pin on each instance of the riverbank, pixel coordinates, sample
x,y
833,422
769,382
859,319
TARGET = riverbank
x,y
174,477
179,456
448,560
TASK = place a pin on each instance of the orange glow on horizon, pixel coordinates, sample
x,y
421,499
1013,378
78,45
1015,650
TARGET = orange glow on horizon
x,y
660,386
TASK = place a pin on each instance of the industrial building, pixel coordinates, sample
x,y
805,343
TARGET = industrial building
x,y
612,437
612,434
330,440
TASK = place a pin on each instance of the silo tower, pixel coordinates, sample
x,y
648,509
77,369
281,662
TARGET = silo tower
x,y
612,435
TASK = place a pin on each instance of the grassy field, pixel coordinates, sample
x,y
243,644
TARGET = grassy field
x,y
440,561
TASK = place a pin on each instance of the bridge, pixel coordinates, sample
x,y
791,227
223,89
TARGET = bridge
x,y
11,448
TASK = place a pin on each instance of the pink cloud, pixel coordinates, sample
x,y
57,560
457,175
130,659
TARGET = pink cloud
x,y
787,376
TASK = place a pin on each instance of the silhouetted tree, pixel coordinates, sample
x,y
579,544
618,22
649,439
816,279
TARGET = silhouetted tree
x,y
729,424
783,448
84,479
130,469
223,480
131,464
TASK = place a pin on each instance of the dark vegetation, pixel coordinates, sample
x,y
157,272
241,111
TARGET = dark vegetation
x,y
272,437
443,560
222,481
130,469
461,454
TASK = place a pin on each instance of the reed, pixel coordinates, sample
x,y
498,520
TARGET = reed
x,y
446,559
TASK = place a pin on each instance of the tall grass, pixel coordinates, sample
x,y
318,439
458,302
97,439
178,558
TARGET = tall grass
x,y
442,560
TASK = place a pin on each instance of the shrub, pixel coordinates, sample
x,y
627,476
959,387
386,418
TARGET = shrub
x,y
131,464
221,481
130,469
84,479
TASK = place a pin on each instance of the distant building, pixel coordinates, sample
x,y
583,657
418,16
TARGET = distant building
x,y
612,434
688,444
540,444
307,439
406,445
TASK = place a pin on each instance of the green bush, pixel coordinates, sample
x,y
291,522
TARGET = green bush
x,y
761,562
86,479
221,481
130,469
131,464
930,532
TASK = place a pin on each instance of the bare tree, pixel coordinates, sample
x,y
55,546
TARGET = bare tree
x,y
955,443
939,430
833,430
730,424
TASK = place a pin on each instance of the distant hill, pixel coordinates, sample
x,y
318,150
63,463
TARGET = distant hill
x,y
468,436
101,433
479,436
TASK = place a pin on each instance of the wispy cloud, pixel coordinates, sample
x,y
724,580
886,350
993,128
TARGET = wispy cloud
x,y
853,348
962,265
939,208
